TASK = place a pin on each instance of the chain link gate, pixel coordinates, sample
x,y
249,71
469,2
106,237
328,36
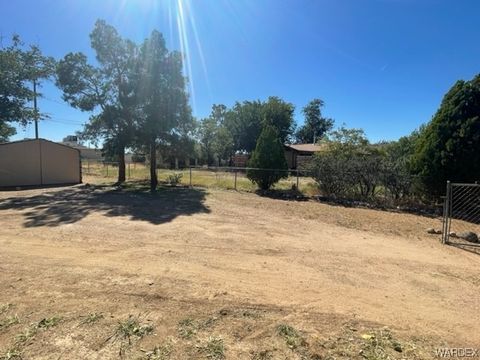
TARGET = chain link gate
x,y
461,215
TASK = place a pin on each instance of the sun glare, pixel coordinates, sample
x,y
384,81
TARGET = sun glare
x,y
176,20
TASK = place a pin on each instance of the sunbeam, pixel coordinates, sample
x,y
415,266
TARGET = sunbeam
x,y
185,49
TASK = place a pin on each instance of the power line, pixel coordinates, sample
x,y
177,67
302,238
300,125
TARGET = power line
x,y
65,121
56,101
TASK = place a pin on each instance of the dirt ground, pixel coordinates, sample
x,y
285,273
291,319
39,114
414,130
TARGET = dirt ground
x,y
100,273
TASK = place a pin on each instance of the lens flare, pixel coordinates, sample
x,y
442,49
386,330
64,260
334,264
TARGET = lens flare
x,y
176,19
186,27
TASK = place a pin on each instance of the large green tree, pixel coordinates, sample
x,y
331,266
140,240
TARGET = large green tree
x,y
215,138
449,146
162,96
110,87
279,114
245,121
269,158
21,73
315,126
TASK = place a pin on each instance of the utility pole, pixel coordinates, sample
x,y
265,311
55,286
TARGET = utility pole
x,y
35,110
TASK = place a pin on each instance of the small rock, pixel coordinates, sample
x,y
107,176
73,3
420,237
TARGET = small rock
x,y
469,236
223,312
434,231
452,234
397,347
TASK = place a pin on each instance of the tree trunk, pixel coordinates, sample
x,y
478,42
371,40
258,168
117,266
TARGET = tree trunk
x,y
121,164
153,166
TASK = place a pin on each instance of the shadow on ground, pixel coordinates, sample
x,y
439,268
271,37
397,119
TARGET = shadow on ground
x,y
472,248
280,194
69,205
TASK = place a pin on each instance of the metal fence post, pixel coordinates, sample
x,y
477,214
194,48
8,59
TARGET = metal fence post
x,y
190,176
129,174
235,185
446,214
107,169
297,180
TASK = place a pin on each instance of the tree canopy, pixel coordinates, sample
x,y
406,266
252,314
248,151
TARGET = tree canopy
x,y
20,67
109,87
315,126
449,146
162,97
215,138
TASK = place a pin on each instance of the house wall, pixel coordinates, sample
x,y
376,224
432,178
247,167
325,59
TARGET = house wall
x,y
38,162
296,159
290,157
303,160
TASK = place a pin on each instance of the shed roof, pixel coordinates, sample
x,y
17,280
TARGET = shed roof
x,y
39,139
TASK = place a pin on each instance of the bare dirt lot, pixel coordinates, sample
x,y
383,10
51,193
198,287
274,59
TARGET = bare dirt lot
x,y
99,273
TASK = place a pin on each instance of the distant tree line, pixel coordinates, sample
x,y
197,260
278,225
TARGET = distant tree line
x,y
236,130
136,97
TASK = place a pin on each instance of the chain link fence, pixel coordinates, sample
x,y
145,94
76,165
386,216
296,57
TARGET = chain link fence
x,y
346,188
461,217
234,178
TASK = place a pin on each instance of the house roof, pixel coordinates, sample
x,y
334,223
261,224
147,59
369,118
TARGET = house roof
x,y
311,148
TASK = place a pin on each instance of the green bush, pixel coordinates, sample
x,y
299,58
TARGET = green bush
x,y
268,154
174,179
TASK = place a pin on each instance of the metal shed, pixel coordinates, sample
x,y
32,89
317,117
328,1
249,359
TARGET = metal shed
x,y
38,162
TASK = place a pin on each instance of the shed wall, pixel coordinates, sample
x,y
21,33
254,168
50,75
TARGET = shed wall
x,y
60,164
20,164
38,162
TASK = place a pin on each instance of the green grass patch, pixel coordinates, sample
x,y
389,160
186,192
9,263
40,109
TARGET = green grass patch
x,y
9,321
213,348
33,329
11,354
161,352
132,327
292,337
187,328
91,318
5,307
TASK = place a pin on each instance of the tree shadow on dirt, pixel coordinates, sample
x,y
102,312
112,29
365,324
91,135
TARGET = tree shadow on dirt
x,y
69,205
465,246
280,194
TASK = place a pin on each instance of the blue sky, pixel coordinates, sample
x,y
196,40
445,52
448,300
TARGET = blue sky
x,y
381,65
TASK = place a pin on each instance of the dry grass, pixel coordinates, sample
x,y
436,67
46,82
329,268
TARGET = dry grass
x,y
213,348
91,318
159,352
97,173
